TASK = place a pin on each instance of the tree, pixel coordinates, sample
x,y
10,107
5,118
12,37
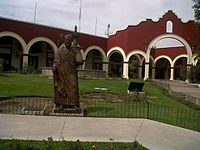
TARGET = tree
x,y
194,70
196,8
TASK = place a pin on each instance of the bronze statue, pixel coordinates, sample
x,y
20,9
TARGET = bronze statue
x,y
66,61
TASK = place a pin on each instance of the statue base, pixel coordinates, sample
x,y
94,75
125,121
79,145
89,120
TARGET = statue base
x,y
68,111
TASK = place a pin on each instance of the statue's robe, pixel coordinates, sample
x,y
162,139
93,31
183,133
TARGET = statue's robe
x,y
66,76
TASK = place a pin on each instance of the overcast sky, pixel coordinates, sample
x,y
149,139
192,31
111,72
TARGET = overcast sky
x,y
118,13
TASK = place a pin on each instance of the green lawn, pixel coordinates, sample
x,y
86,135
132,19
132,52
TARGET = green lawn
x,y
35,85
160,107
63,145
25,85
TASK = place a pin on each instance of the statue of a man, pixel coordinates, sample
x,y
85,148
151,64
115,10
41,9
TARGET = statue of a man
x,y
66,61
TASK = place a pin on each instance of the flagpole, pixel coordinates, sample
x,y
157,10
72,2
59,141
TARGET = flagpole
x,y
35,13
96,27
80,11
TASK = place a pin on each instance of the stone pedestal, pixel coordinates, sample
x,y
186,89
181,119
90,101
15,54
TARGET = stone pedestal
x,y
74,111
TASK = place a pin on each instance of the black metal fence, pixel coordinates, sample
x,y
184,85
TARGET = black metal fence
x,y
182,117
27,105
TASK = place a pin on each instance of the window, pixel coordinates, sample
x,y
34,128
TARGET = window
x,y
169,27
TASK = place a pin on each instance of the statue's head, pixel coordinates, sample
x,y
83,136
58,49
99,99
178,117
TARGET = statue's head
x,y
68,40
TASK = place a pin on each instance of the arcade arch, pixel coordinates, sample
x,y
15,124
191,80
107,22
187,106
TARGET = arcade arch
x,y
116,66
94,57
180,67
41,52
94,60
164,36
16,36
163,67
12,47
44,39
173,36
134,59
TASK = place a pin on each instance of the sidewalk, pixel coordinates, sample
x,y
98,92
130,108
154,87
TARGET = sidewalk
x,y
182,87
151,134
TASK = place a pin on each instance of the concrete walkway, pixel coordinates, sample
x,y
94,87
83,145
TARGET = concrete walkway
x,y
182,87
151,134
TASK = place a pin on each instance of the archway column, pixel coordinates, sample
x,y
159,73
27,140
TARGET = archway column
x,y
153,72
172,73
125,70
187,73
24,63
83,66
146,74
140,72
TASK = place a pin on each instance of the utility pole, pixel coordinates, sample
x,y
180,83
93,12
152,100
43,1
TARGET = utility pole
x,y
95,27
35,12
79,18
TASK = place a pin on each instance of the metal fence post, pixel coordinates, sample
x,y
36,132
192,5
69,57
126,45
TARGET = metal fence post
x,y
148,110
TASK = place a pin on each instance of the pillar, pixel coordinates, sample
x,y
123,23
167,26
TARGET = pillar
x,y
25,63
105,67
146,74
125,70
139,72
153,72
188,73
83,66
171,73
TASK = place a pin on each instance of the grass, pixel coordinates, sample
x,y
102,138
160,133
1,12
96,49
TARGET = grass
x,y
186,118
25,85
63,145
161,107
13,84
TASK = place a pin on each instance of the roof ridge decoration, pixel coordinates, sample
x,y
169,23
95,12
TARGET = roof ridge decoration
x,y
150,20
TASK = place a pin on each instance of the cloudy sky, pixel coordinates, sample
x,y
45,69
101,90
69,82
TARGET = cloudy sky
x,y
118,13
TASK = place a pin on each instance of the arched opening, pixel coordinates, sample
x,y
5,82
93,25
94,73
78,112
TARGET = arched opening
x,y
11,53
94,60
166,45
115,65
162,69
135,67
168,42
186,50
40,55
180,69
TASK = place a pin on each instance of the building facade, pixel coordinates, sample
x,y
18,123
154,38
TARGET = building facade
x,y
129,53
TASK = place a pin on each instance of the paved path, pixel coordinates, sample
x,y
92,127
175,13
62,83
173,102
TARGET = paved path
x,y
151,134
183,87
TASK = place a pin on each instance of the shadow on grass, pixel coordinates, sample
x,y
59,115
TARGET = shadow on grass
x,y
6,75
89,110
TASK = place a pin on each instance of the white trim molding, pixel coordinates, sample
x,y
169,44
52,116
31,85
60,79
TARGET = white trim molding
x,y
16,36
44,39
173,36
179,56
166,57
116,49
94,47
